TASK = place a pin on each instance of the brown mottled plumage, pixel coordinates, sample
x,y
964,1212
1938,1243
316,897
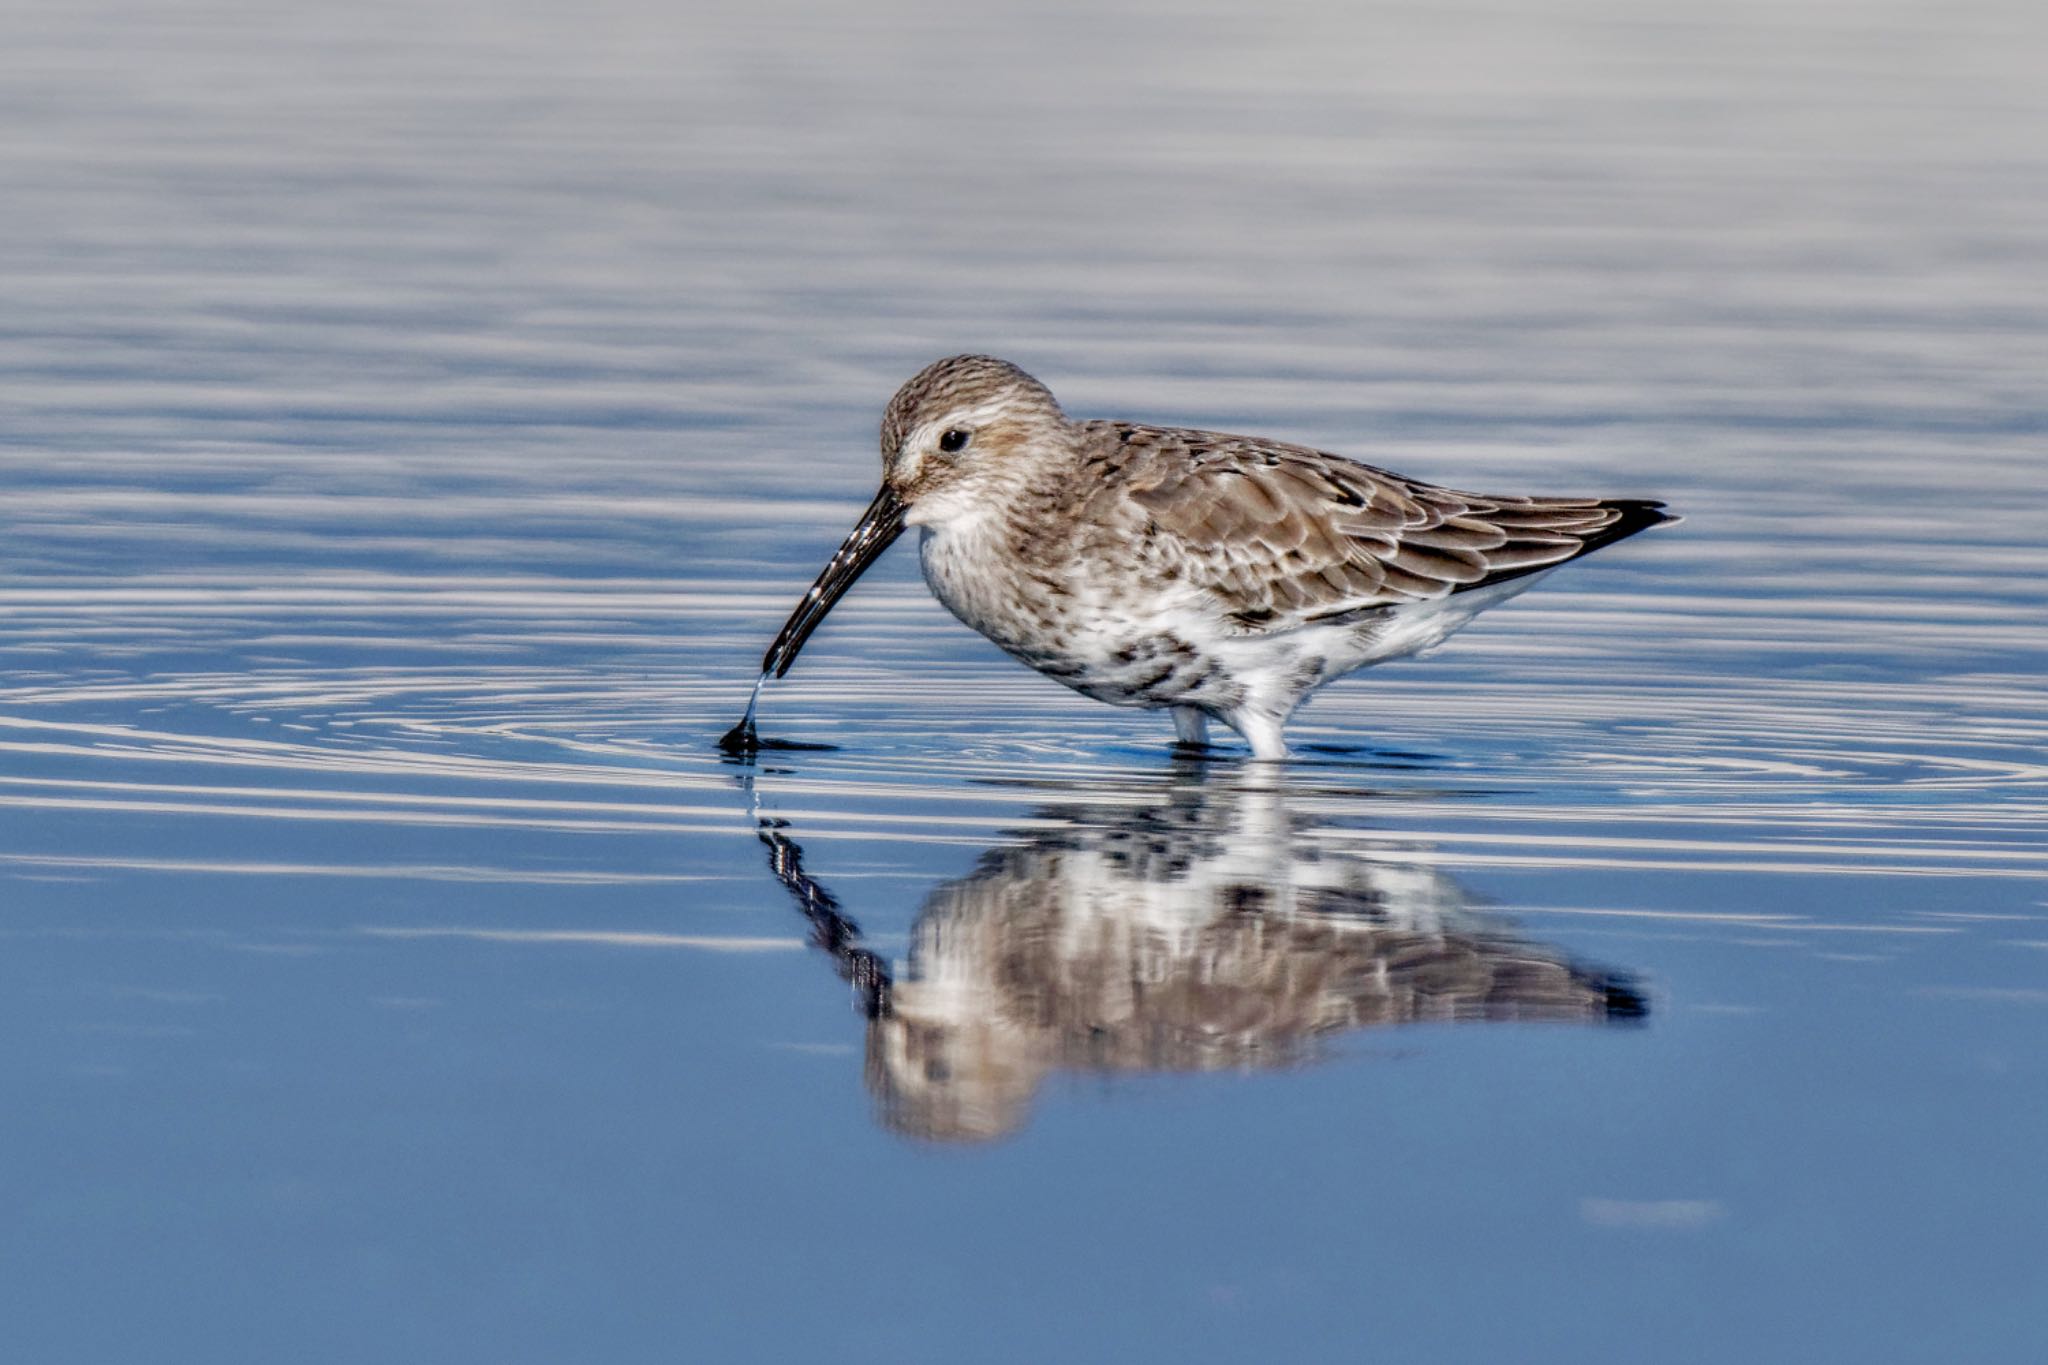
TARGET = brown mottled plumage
x,y
1286,535
1217,575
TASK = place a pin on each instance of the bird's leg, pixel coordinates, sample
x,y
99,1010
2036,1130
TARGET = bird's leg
x,y
1190,727
1261,730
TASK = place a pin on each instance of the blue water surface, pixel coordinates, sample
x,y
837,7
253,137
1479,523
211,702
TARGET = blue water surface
x,y
418,418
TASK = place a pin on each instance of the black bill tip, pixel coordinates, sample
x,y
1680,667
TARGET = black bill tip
x,y
741,741
744,742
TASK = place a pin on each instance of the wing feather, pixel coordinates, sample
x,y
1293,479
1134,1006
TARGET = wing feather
x,y
1282,535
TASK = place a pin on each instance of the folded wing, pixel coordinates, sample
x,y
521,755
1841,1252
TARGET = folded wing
x,y
1285,536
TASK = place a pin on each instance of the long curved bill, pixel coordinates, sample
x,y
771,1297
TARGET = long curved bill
x,y
877,531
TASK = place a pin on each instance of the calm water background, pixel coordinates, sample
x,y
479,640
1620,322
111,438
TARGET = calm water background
x,y
416,418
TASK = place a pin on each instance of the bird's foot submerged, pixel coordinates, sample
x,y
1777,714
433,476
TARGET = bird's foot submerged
x,y
1264,734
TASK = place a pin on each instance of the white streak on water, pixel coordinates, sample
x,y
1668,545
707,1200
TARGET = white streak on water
x,y
429,872
711,943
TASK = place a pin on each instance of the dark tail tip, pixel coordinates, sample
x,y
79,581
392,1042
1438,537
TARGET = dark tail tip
x,y
1640,514
1637,514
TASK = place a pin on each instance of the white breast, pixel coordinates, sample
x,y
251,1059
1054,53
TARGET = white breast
x,y
960,567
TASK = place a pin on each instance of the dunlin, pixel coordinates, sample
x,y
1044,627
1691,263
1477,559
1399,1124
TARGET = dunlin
x,y
1191,571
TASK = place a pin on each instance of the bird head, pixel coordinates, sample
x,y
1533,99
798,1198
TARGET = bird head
x,y
951,439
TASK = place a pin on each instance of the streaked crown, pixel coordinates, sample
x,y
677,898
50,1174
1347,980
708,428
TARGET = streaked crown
x,y
962,383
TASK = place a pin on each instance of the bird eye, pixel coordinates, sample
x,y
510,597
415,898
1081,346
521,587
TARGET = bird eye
x,y
954,441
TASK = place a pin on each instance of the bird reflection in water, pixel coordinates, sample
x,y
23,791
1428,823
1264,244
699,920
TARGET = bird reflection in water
x,y
1197,928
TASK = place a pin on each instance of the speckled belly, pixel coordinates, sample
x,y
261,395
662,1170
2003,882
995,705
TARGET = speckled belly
x,y
1049,627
